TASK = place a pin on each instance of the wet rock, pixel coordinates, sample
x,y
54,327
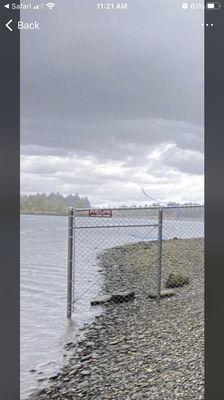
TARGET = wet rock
x,y
53,377
122,297
69,345
101,300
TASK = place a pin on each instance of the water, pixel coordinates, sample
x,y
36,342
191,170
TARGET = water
x,y
44,326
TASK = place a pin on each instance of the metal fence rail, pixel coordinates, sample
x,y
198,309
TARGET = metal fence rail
x,y
133,251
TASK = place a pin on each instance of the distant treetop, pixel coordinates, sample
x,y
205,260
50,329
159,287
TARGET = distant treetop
x,y
54,203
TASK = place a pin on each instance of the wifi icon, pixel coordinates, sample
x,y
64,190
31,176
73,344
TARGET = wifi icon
x,y
50,5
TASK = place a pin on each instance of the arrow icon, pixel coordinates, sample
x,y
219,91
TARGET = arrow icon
x,y
6,5
7,25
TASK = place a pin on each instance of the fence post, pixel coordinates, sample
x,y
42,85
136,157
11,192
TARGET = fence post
x,y
159,266
70,262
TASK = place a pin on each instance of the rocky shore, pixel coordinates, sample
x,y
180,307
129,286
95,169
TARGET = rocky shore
x,y
140,349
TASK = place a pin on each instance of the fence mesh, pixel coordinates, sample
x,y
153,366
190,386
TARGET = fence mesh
x,y
107,252
118,253
142,271
183,250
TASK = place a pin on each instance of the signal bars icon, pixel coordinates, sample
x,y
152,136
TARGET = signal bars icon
x,y
38,7
41,6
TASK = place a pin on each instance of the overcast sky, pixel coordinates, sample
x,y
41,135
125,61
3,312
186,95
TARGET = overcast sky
x,y
112,101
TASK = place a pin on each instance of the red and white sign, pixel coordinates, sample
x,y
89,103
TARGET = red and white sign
x,y
105,213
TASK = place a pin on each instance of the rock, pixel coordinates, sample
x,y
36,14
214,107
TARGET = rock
x,y
85,372
74,370
143,350
122,297
53,377
54,396
86,358
114,298
149,370
163,294
90,344
115,342
101,300
167,293
79,351
69,345
176,280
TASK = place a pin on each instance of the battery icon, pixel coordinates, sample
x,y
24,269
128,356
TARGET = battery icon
x,y
213,6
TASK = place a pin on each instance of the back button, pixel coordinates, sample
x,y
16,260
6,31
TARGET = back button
x,y
8,25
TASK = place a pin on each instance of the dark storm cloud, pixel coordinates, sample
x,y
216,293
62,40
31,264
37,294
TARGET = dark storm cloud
x,y
112,137
90,67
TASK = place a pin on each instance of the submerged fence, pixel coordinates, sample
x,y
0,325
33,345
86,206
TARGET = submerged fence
x,y
124,253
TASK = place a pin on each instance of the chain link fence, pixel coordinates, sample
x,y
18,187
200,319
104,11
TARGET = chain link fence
x,y
183,250
140,274
118,255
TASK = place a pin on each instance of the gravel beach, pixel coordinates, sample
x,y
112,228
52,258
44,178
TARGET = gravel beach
x,y
140,349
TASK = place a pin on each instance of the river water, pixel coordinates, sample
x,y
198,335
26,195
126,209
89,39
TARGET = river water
x,y
44,326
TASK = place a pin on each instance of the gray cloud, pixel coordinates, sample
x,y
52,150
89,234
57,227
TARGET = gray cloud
x,y
114,138
188,161
115,87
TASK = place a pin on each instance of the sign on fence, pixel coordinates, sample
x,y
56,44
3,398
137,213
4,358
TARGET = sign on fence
x,y
105,213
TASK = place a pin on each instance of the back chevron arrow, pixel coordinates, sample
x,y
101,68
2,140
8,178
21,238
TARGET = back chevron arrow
x,y
7,25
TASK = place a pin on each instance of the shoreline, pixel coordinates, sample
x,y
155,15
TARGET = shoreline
x,y
139,349
43,213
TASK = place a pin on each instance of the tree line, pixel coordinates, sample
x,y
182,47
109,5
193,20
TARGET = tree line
x,y
53,203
